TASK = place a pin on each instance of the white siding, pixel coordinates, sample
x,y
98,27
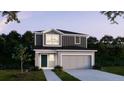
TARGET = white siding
x,y
37,60
51,63
79,59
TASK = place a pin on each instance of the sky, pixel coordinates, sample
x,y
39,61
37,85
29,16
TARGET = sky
x,y
88,22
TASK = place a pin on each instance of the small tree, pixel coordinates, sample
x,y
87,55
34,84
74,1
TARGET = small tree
x,y
22,55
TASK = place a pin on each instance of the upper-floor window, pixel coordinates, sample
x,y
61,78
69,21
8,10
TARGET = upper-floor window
x,y
52,39
77,40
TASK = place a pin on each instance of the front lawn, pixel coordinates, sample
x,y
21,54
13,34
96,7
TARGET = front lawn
x,y
15,75
114,69
65,76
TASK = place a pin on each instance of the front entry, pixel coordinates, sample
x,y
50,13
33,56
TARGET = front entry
x,y
44,60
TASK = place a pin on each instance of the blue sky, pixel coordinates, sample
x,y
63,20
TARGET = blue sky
x,y
92,23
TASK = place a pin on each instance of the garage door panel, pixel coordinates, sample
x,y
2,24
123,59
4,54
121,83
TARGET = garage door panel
x,y
75,61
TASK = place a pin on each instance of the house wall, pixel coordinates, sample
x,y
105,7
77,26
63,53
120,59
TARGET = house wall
x,y
70,41
39,40
51,64
58,56
38,59
65,40
76,53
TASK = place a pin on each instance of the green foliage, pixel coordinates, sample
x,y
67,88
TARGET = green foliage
x,y
110,51
11,16
65,76
58,68
21,55
92,42
112,15
114,69
27,38
15,75
9,45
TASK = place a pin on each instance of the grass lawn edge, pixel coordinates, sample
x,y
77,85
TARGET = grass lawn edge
x,y
65,76
118,70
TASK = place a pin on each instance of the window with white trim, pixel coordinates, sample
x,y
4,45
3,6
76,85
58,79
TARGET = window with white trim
x,y
51,57
52,39
77,40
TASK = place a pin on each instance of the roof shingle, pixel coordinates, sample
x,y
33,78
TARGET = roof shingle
x,y
64,31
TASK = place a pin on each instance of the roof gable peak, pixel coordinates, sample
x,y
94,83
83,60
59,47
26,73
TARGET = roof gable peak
x,y
49,30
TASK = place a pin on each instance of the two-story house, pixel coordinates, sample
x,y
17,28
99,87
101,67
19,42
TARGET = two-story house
x,y
65,48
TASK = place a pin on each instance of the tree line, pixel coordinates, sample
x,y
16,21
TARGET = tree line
x,y
110,50
13,46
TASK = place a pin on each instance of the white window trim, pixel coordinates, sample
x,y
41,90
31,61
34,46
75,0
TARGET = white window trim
x,y
79,40
86,41
52,43
60,45
35,39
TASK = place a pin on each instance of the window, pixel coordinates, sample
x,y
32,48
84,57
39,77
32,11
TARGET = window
x,y
51,58
77,40
52,39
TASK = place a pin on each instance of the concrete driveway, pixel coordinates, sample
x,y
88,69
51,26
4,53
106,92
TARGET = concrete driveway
x,y
94,75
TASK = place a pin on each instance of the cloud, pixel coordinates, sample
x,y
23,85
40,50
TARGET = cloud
x,y
2,24
24,15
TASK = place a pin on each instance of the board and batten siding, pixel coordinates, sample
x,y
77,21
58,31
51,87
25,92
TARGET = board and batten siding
x,y
39,40
66,40
70,41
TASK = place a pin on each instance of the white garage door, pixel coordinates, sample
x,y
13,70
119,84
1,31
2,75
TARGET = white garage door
x,y
76,61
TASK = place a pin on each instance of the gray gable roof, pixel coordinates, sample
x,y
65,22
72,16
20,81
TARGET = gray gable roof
x,y
69,32
65,32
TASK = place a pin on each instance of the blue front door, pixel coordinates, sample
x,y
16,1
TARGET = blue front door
x,y
44,60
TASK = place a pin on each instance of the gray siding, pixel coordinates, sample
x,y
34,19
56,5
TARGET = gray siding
x,y
69,41
66,40
83,42
38,40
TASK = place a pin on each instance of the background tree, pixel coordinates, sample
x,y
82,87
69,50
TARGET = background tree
x,y
27,38
8,42
119,41
2,44
112,15
12,40
10,15
106,39
92,42
21,55
28,41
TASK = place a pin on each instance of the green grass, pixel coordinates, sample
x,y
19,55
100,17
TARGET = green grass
x,y
65,76
15,75
114,69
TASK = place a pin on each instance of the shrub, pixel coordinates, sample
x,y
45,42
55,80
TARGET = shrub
x,y
31,68
58,68
97,67
36,69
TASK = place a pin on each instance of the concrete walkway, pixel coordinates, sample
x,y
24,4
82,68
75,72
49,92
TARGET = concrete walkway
x,y
50,75
94,75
